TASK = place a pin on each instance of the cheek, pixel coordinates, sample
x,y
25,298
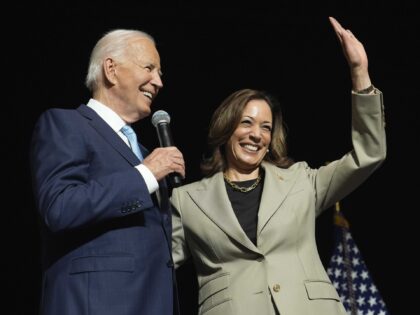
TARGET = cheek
x,y
267,138
231,149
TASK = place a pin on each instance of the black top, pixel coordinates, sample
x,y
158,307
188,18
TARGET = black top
x,y
246,205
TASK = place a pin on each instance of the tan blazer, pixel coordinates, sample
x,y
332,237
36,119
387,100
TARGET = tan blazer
x,y
284,269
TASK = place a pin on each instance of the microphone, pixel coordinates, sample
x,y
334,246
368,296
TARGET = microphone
x,y
161,120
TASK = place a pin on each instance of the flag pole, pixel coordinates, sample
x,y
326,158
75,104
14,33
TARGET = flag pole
x,y
343,224
349,273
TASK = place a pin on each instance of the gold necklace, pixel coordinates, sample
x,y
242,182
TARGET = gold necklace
x,y
239,188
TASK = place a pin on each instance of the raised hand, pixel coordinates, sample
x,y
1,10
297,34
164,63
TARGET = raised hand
x,y
355,54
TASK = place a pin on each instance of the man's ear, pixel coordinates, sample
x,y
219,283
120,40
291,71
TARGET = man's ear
x,y
110,70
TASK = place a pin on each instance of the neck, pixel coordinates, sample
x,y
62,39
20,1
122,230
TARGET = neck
x,y
116,105
239,176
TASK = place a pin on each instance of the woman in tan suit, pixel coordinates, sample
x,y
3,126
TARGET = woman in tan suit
x,y
249,225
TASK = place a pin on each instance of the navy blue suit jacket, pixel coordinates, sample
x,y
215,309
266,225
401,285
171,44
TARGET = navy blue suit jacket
x,y
106,240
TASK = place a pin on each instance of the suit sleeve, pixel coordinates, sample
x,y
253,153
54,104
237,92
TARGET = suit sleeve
x,y
180,251
68,191
337,179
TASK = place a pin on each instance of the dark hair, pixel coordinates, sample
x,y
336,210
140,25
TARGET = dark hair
x,y
225,120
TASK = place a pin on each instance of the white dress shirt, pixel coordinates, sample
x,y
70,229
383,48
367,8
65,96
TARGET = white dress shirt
x,y
116,123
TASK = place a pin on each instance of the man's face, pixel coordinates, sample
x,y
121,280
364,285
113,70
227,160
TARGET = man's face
x,y
137,80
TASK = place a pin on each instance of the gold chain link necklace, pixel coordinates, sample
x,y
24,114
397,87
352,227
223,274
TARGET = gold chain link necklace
x,y
239,188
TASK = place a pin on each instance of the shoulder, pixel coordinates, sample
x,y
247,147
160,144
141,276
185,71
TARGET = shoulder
x,y
82,112
197,185
301,165
295,171
63,114
60,121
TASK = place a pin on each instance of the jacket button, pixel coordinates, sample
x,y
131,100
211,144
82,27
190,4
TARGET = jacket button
x,y
276,287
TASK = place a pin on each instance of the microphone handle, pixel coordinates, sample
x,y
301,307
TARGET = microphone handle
x,y
165,140
164,135
175,179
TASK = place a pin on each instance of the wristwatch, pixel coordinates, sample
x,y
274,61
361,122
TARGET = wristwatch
x,y
368,90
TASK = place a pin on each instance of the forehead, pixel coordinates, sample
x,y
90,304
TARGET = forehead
x,y
256,108
143,49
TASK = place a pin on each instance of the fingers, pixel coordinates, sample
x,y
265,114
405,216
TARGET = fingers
x,y
337,28
342,34
163,161
354,53
178,165
351,36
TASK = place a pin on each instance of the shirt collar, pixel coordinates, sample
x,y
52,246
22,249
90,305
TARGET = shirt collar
x,y
107,114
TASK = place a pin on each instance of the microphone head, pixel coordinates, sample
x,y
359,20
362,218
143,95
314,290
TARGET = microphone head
x,y
160,117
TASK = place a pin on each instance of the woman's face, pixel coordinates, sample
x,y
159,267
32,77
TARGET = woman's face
x,y
251,139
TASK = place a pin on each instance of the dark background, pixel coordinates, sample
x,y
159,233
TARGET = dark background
x,y
209,50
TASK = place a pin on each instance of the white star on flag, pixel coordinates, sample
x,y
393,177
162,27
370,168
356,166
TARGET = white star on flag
x,y
350,276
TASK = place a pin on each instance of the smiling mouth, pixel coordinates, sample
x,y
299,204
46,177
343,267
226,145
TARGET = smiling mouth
x,y
148,95
250,147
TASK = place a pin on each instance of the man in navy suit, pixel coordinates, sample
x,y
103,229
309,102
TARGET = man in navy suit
x,y
105,215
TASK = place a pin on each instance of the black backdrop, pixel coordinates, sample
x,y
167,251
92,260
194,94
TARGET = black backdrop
x,y
208,51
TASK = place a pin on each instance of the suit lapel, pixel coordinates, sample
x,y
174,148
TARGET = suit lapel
x,y
161,195
277,184
213,201
108,134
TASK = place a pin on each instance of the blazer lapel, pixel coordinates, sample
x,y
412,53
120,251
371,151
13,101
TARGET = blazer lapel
x,y
108,134
213,201
277,184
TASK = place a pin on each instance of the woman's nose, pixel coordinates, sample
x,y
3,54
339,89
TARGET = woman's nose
x,y
255,133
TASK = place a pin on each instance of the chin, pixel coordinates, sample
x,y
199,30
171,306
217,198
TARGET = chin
x,y
251,165
144,112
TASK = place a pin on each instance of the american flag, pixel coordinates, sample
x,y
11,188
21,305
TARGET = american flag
x,y
350,275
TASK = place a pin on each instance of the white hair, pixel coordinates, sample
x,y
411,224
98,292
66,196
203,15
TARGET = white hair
x,y
113,44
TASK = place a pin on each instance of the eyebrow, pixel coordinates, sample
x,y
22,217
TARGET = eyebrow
x,y
250,117
155,67
143,64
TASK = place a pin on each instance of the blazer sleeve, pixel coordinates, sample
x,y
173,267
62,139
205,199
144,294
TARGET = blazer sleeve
x,y
74,187
180,251
337,179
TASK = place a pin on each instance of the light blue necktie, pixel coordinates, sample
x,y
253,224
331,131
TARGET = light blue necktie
x,y
132,139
